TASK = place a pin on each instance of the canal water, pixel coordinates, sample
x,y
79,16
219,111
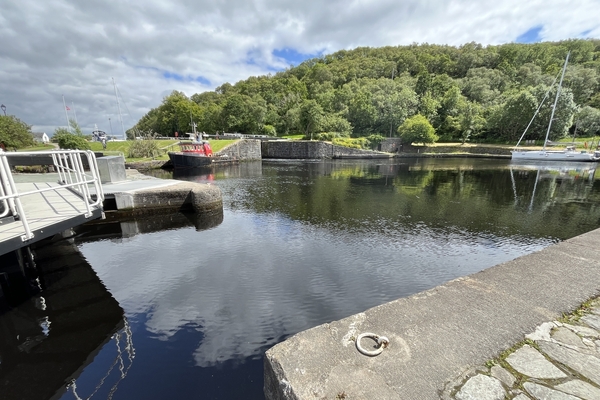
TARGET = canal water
x,y
176,307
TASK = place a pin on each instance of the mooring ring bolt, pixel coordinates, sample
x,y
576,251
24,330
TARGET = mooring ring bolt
x,y
381,341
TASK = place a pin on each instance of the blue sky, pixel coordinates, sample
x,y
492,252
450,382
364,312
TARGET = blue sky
x,y
531,36
292,56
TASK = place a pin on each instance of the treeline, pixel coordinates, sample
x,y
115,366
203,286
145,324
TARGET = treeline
x,y
464,92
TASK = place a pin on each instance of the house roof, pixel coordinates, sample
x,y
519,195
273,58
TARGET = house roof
x,y
38,135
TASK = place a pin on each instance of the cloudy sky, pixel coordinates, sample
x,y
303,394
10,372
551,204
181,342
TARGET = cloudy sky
x,y
74,48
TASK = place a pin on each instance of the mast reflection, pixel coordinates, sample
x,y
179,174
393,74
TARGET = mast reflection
x,y
55,317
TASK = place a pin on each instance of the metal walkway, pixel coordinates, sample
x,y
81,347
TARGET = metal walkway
x,y
32,211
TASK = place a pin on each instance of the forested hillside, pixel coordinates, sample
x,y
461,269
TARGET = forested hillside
x,y
489,93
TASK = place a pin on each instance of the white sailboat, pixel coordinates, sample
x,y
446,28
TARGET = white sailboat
x,y
567,154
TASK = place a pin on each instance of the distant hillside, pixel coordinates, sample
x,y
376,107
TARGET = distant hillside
x,y
464,92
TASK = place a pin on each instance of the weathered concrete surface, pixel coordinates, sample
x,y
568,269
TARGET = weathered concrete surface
x,y
142,194
201,197
111,169
436,333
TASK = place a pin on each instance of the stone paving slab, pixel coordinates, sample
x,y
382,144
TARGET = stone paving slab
x,y
559,360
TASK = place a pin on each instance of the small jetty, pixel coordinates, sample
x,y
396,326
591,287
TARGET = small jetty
x,y
33,209
79,187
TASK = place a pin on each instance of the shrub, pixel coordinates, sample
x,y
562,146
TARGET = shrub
x,y
417,129
269,130
375,140
329,136
145,147
358,143
68,140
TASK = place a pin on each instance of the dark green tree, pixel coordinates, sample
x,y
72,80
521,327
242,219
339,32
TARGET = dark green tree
x,y
587,121
311,116
14,133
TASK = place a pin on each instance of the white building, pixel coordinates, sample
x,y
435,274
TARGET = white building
x,y
41,137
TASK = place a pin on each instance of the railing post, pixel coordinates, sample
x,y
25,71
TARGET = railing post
x,y
14,200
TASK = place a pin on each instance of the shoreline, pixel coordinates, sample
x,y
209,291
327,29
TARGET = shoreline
x,y
160,164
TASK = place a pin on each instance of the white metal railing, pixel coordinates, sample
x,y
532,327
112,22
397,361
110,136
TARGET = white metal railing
x,y
72,176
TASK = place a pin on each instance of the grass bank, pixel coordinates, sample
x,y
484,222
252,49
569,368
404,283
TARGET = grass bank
x,y
164,147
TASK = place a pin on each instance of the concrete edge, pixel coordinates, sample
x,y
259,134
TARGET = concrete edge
x,y
439,333
171,195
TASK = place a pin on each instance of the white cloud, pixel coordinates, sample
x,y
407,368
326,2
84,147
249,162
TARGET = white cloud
x,y
72,48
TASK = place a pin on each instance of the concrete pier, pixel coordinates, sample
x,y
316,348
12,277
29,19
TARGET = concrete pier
x,y
437,335
141,194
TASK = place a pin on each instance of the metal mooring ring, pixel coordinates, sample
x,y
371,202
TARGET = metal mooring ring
x,y
382,341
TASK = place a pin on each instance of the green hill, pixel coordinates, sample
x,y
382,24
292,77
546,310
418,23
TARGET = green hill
x,y
471,91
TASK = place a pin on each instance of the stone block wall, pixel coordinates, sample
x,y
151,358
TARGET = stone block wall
x,y
391,145
245,149
305,149
479,149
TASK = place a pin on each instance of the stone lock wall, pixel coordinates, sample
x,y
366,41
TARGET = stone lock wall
x,y
306,149
245,149
478,149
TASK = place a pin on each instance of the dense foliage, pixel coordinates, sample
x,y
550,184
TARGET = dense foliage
x,y
14,133
72,138
464,92
417,129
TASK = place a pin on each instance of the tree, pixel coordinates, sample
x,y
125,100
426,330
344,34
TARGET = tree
x,y
393,103
471,121
588,121
269,130
336,123
563,116
417,129
311,115
361,113
484,85
244,114
14,133
66,139
508,120
582,81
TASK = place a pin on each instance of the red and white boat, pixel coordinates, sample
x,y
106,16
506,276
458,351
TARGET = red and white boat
x,y
192,154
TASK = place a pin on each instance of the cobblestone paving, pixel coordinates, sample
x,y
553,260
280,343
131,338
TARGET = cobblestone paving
x,y
559,361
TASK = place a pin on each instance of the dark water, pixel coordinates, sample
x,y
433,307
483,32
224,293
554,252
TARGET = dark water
x,y
173,307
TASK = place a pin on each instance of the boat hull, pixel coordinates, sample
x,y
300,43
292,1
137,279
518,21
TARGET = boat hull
x,y
554,155
182,160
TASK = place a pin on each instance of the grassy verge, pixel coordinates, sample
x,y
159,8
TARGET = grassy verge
x,y
164,146
293,137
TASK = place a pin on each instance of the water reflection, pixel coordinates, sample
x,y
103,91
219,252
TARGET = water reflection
x,y
306,242
118,229
303,243
554,174
56,318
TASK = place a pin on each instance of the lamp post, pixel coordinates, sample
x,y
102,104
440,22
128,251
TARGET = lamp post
x,y
3,107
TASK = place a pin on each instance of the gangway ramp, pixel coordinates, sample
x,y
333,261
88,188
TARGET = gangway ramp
x,y
33,210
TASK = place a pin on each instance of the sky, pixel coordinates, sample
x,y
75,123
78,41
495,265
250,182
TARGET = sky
x,y
77,49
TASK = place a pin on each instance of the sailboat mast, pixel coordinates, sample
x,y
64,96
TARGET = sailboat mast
x,y
556,99
119,108
75,112
66,114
